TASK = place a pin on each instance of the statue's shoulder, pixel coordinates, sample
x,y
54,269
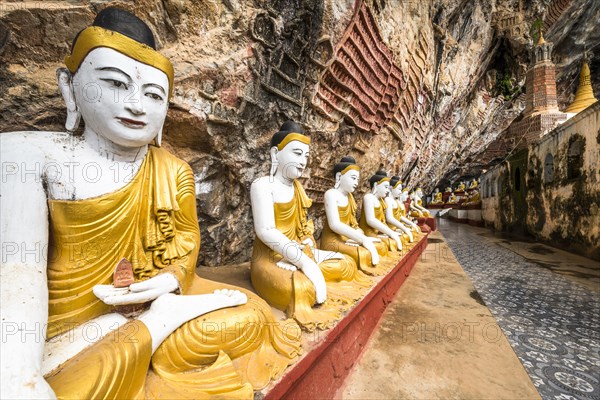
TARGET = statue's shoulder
x,y
35,136
169,159
264,182
30,144
368,196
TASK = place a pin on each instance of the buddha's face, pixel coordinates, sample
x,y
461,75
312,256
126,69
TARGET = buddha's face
x,y
349,181
121,99
381,189
293,159
397,191
404,196
419,193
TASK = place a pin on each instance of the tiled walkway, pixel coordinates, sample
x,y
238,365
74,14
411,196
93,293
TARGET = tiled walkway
x,y
552,322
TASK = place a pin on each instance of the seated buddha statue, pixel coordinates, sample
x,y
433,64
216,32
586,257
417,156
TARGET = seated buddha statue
x,y
372,218
406,218
474,184
474,198
461,187
287,268
448,189
416,205
437,197
394,209
453,199
341,232
77,204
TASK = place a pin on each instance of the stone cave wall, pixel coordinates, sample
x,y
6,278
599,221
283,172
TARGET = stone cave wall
x,y
407,86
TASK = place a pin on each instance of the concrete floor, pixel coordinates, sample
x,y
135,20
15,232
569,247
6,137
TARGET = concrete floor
x,y
438,340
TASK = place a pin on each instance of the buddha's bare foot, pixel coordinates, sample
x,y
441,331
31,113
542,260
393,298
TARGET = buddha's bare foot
x,y
170,311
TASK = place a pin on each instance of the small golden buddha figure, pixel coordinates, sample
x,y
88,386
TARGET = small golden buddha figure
x,y
437,197
461,187
474,184
194,338
473,199
448,189
372,219
453,199
287,269
341,231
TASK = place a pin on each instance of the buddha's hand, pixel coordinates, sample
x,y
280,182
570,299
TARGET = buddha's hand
x,y
34,388
369,244
231,297
396,237
137,293
314,274
309,242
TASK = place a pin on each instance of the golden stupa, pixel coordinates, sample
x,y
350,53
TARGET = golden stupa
x,y
541,38
585,95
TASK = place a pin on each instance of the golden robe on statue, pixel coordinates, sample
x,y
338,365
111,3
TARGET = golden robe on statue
x,y
398,213
390,244
333,241
292,291
152,222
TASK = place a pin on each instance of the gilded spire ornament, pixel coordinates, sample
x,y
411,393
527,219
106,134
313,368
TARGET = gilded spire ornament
x,y
584,97
541,38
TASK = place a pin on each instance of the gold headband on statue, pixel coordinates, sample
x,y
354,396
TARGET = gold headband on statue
x,y
291,137
95,36
397,183
386,179
405,190
350,168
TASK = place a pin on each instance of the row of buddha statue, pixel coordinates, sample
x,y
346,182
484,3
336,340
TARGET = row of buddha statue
x,y
288,268
462,195
164,332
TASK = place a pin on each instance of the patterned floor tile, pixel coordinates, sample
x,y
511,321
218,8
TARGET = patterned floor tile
x,y
552,323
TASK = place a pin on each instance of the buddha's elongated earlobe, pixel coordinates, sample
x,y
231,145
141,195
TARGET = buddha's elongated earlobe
x,y
65,84
158,138
274,162
338,178
374,189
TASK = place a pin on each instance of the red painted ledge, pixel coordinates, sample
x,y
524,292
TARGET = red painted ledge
x,y
321,372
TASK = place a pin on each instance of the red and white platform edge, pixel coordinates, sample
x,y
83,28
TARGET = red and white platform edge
x,y
321,372
467,214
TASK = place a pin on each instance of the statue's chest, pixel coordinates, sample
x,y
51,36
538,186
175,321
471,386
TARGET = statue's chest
x,y
76,180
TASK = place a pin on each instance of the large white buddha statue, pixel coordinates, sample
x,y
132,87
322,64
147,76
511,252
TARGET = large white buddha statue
x,y
340,231
372,218
74,206
394,208
287,268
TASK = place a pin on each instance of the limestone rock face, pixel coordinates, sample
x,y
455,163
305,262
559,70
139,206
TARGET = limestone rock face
x,y
420,88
